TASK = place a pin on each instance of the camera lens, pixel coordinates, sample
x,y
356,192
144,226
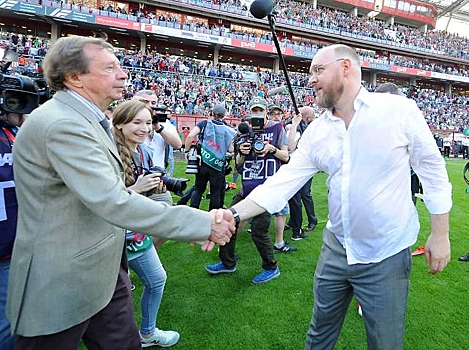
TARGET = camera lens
x,y
177,186
258,146
22,102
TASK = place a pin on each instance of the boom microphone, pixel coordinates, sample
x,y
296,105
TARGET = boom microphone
x,y
277,90
261,8
243,128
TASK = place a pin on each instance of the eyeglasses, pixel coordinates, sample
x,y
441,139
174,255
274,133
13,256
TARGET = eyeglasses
x,y
316,71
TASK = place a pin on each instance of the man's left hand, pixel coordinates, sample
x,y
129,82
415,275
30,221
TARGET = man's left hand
x,y
437,252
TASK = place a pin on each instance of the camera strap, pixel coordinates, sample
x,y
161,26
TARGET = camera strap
x,y
137,165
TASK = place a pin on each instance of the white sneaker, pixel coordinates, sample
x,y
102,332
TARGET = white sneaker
x,y
160,338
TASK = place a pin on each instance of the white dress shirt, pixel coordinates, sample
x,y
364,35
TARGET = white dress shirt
x,y
370,205
157,144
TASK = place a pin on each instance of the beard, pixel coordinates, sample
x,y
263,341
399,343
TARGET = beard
x,y
331,95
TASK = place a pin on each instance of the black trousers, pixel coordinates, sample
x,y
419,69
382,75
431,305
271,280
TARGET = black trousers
x,y
296,212
260,235
465,152
111,328
217,187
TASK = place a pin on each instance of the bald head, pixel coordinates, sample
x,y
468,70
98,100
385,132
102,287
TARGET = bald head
x,y
307,113
336,77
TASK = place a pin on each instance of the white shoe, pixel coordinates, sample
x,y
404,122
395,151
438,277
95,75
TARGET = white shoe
x,y
160,338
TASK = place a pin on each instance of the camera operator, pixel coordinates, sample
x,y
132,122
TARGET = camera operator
x,y
163,133
9,123
215,140
255,166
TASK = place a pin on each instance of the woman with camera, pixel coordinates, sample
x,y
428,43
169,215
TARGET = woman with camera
x,y
132,123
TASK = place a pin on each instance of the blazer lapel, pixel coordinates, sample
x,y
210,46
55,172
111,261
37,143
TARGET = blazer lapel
x,y
86,114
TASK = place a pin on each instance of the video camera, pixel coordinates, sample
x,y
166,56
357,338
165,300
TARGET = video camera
x,y
160,114
21,94
252,135
177,186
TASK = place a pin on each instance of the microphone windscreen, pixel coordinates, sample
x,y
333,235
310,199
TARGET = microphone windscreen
x,y
277,90
243,128
261,8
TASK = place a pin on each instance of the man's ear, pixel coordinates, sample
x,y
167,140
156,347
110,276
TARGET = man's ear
x,y
73,80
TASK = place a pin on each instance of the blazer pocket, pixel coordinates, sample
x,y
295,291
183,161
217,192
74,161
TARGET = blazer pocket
x,y
94,248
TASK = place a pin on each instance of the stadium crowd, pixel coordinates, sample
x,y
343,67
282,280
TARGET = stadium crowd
x,y
191,86
304,14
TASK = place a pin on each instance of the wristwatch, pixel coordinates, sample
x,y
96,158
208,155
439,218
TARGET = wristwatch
x,y
160,129
236,217
275,151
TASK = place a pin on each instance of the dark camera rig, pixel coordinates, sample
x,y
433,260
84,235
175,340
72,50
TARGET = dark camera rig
x,y
177,186
160,113
21,94
252,135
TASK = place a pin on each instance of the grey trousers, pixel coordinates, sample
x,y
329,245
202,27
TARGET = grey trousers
x,y
380,288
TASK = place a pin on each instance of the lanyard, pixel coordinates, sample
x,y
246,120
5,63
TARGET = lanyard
x,y
137,169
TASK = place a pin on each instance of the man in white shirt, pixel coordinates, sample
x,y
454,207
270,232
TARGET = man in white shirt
x,y
365,143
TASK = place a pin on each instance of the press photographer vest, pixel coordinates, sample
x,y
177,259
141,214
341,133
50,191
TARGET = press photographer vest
x,y
9,204
215,139
255,170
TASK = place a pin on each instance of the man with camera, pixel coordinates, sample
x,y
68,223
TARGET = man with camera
x,y
9,122
260,150
14,104
164,133
215,140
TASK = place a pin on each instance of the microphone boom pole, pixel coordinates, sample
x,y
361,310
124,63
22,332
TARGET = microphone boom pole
x,y
271,20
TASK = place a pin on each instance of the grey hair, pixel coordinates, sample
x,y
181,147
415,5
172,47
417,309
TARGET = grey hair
x,y
390,88
66,56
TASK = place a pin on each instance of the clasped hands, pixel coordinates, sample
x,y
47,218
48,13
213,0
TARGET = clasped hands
x,y
222,228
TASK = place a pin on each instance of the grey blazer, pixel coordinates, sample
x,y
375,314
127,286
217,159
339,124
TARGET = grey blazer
x,y
73,206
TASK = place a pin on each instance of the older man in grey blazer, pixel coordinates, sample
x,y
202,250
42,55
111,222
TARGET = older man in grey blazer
x,y
68,278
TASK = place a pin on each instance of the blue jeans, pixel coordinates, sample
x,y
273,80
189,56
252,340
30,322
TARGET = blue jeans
x,y
153,275
7,342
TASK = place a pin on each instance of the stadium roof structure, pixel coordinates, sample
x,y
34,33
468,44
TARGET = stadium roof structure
x,y
458,9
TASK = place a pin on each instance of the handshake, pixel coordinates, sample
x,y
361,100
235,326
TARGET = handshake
x,y
222,228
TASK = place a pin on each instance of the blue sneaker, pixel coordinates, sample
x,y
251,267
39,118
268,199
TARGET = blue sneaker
x,y
218,267
266,275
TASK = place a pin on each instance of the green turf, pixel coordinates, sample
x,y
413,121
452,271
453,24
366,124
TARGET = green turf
x,y
230,312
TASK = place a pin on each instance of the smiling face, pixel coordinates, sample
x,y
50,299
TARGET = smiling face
x,y
137,129
104,81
